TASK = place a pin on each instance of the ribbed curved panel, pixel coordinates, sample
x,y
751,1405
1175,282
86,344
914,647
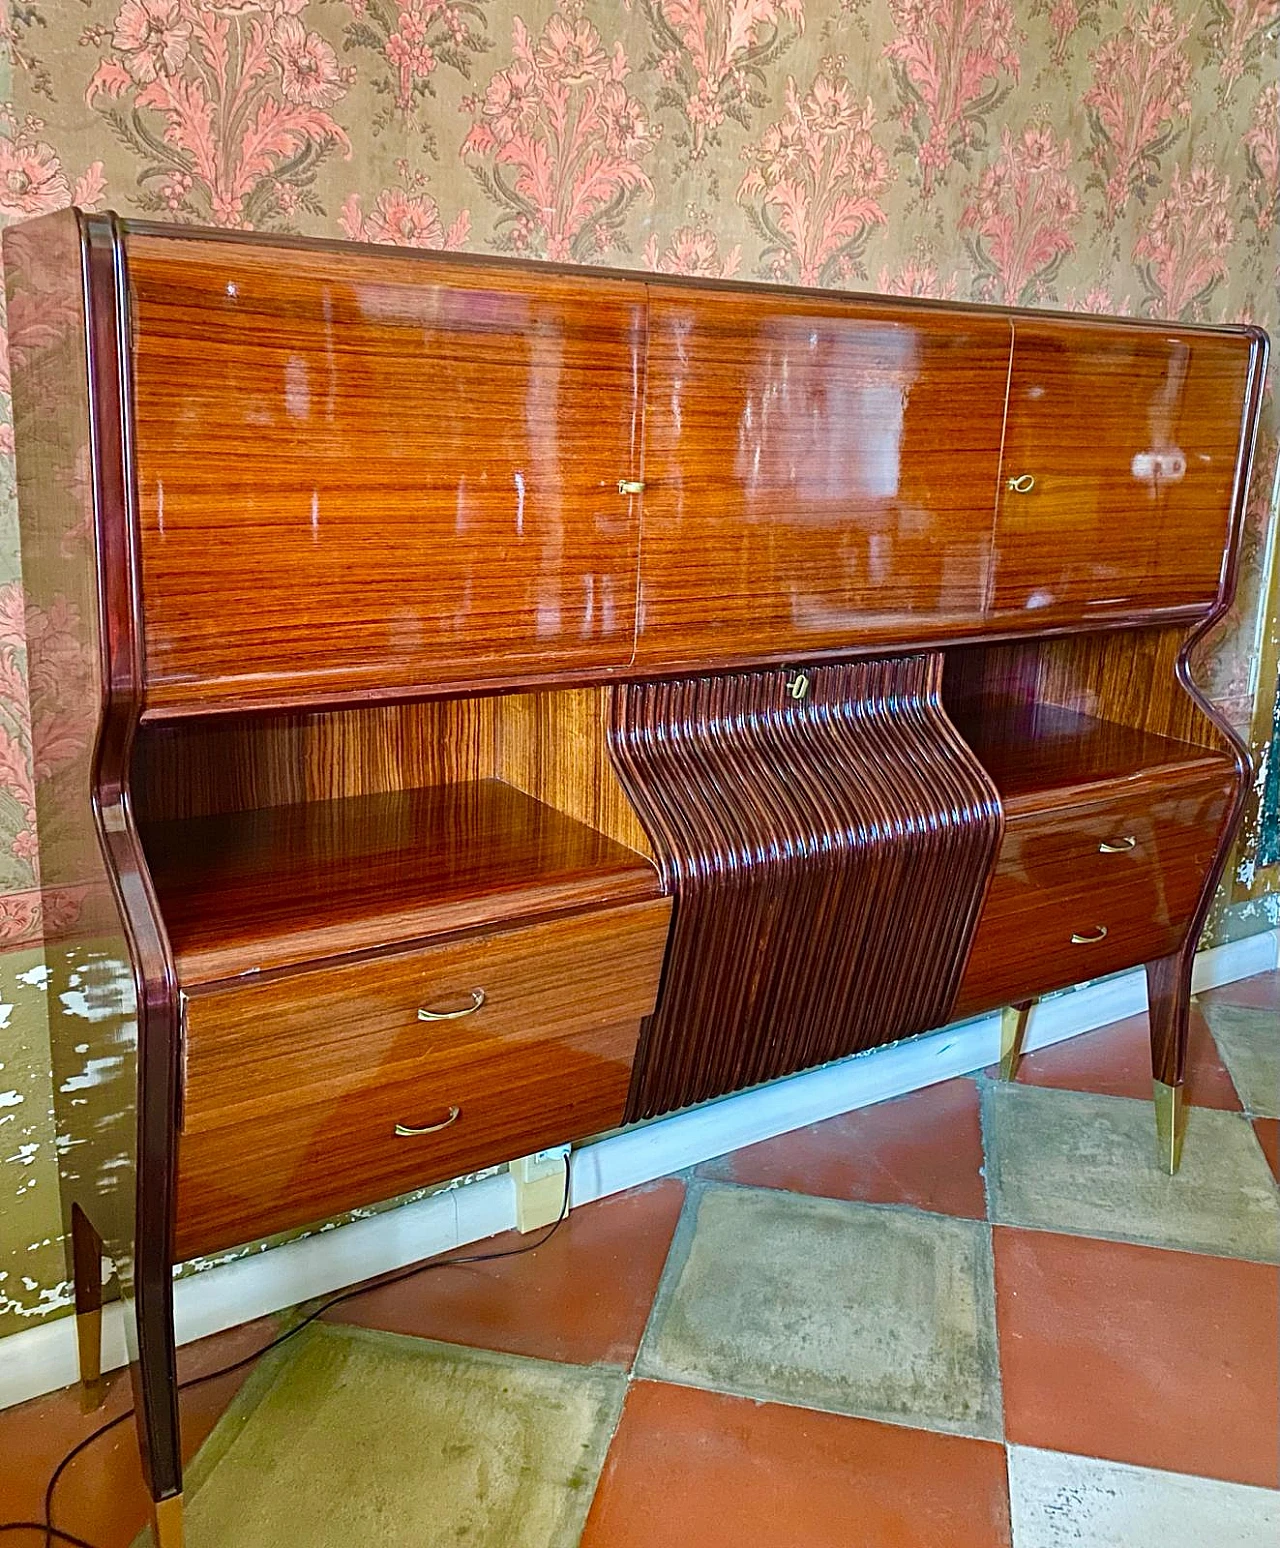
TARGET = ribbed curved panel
x,y
828,856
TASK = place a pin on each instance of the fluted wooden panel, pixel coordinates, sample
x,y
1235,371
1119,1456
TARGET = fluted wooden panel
x,y
828,856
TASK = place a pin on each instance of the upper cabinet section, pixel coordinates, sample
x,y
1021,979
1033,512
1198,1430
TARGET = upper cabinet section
x,y
364,472
818,473
1121,451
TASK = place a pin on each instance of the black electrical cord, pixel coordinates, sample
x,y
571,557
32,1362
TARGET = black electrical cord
x,y
52,1532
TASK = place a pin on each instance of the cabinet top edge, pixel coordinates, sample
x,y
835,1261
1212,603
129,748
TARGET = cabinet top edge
x,y
670,283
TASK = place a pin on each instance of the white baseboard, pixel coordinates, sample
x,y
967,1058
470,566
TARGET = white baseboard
x,y
43,1358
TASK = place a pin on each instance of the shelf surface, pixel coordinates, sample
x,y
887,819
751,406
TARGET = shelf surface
x,y
248,892
1040,755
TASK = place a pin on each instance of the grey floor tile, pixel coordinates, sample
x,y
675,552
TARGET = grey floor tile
x,y
350,1436
1062,1501
881,1312
1249,1042
1072,1161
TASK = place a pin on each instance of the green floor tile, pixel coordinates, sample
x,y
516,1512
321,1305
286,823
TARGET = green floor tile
x,y
1073,1161
1249,1042
352,1437
885,1313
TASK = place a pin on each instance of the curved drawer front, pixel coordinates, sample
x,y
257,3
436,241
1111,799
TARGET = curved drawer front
x,y
296,1088
1090,890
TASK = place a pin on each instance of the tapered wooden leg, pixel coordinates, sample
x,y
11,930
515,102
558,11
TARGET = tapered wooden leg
x,y
1169,1015
86,1258
166,1522
1014,1021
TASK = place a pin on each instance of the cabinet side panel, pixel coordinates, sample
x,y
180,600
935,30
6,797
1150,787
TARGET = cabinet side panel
x,y
554,746
377,473
90,993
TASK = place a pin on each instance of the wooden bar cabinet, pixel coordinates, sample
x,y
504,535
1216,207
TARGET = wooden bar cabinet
x,y
480,704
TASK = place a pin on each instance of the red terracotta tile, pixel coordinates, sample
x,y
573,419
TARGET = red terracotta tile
x,y
1268,1132
1165,1359
1262,992
1116,1061
708,1471
102,1496
923,1149
582,1297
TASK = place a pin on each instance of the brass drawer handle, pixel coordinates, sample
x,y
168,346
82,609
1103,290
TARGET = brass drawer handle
x,y
1099,934
1023,484
1117,846
477,1000
405,1132
630,486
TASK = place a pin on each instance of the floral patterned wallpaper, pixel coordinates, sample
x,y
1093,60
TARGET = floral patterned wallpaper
x,y
1090,154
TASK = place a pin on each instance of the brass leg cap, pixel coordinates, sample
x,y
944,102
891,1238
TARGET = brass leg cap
x,y
166,1522
1014,1021
1171,1124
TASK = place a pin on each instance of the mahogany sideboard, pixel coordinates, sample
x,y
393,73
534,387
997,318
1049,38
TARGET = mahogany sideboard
x,y
479,704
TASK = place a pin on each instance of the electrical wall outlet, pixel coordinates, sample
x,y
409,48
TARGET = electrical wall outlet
x,y
540,1186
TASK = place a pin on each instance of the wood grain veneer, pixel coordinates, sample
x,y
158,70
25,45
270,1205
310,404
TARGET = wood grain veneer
x,y
251,892
294,1086
1041,756
364,473
817,472
828,854
1133,439
230,763
1053,880
555,746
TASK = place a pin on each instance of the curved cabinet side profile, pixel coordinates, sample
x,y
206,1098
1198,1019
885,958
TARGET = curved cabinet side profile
x,y
827,837
105,941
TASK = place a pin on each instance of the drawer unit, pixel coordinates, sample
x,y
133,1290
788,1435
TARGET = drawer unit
x,y
347,1083
1090,889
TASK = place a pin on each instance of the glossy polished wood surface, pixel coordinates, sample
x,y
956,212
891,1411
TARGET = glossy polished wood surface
x,y
1131,866
363,473
1041,756
254,891
828,838
235,763
1131,440
295,1086
818,473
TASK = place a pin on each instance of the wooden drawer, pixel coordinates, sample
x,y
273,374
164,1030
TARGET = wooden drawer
x,y
1088,890
295,1086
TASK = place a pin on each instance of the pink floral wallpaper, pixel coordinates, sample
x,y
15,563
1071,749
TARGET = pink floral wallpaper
x,y
1091,154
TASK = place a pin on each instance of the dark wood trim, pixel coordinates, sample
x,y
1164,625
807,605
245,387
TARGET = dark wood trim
x,y
155,982
1169,980
828,854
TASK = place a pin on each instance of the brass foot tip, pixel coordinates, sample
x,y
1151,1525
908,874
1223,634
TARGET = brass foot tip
x,y
166,1522
1171,1124
1014,1020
